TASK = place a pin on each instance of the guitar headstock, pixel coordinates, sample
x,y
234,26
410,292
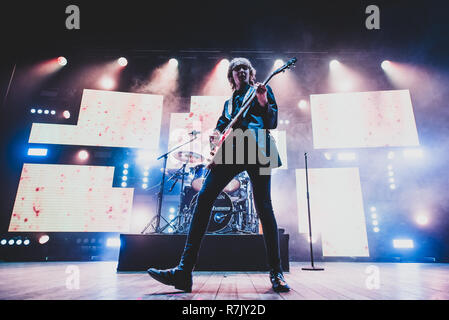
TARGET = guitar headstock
x,y
290,63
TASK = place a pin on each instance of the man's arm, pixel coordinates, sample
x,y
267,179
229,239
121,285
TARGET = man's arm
x,y
223,121
271,114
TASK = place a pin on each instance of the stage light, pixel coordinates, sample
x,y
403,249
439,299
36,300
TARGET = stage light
x,y
62,61
26,242
281,121
125,172
392,186
386,64
334,64
172,210
83,155
42,152
19,242
3,242
302,104
375,222
373,216
171,217
173,62
278,63
39,111
113,242
124,178
170,230
107,83
124,184
144,186
11,242
391,180
287,121
53,112
412,153
224,64
376,229
123,62
44,239
33,110
46,111
390,173
145,173
126,166
373,209
422,220
403,243
66,114
328,155
346,156
145,179
390,167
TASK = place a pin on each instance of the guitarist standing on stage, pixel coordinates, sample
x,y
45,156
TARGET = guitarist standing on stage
x,y
259,118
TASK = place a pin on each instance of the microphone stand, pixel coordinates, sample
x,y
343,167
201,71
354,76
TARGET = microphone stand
x,y
158,216
310,224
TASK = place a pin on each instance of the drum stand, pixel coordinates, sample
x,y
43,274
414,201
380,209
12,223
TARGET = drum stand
x,y
156,220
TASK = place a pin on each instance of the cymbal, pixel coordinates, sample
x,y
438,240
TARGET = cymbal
x,y
188,156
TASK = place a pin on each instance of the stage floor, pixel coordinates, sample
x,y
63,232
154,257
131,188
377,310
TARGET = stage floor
x,y
339,281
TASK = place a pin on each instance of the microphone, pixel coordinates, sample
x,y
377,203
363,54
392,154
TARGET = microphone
x,y
173,185
194,133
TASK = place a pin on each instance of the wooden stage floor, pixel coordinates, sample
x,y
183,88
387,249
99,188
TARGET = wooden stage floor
x,y
339,281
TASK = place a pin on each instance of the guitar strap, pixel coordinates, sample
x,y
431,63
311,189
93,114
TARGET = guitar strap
x,y
230,105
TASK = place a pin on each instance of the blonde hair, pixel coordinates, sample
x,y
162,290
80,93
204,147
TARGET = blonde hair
x,y
238,62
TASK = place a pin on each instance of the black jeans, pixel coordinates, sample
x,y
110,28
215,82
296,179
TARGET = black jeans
x,y
218,177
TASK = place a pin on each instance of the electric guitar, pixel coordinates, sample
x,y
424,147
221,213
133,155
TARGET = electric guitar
x,y
245,106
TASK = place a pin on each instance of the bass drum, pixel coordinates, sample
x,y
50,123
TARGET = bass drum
x,y
221,212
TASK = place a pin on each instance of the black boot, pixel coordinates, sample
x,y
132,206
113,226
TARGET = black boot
x,y
278,282
176,277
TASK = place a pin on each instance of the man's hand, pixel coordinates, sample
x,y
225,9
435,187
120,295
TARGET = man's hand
x,y
261,93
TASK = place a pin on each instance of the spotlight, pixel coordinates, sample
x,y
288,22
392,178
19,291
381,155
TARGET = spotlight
x,y
19,242
346,156
126,166
334,64
171,217
145,179
422,219
278,63
124,178
53,112
83,155
392,186
145,173
302,104
11,242
373,216
287,121
66,114
403,243
37,152
3,242
107,83
33,110
113,242
124,184
170,230
39,111
173,62
385,64
172,210
224,63
375,223
376,229
125,172
123,62
373,209
328,155
62,61
44,239
144,186
26,242
46,111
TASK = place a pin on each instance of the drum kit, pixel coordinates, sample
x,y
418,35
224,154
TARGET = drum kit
x,y
232,211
